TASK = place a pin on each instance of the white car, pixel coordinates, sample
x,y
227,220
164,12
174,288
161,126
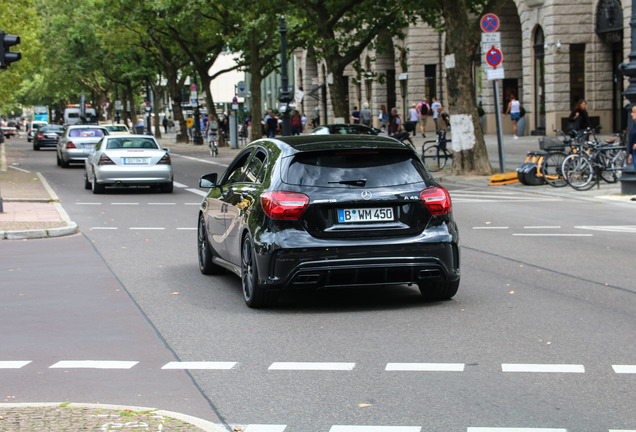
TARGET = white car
x,y
115,129
77,143
33,127
128,160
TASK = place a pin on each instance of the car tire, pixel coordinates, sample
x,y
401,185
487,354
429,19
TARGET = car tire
x,y
255,295
63,163
35,146
205,253
167,187
97,188
441,290
59,161
87,184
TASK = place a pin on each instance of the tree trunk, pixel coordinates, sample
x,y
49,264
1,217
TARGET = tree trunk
x,y
469,147
338,91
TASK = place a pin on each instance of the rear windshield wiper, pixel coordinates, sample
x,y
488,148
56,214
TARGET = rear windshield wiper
x,y
353,182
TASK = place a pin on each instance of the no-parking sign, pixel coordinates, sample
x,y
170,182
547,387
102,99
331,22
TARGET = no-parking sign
x,y
489,23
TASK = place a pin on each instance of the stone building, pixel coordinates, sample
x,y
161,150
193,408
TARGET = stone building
x,y
554,53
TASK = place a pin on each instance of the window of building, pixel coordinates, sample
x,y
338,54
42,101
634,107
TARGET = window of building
x,y
430,81
577,73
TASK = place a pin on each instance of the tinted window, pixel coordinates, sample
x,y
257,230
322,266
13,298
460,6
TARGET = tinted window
x,y
255,172
51,128
344,168
236,171
131,143
86,133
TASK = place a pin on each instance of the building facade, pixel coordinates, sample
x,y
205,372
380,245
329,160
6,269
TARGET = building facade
x,y
554,54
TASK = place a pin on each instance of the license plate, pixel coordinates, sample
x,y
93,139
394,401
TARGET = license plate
x,y
383,214
135,161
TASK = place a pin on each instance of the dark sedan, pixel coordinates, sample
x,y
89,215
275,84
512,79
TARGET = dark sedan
x,y
345,129
47,136
328,211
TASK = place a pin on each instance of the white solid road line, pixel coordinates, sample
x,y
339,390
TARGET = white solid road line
x,y
543,368
505,429
353,428
15,364
198,160
624,369
262,428
211,365
179,185
312,366
551,235
197,191
425,367
93,364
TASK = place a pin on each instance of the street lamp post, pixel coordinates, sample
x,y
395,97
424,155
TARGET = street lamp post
x,y
285,95
628,178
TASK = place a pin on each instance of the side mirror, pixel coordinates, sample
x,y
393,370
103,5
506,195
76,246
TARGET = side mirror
x,y
208,181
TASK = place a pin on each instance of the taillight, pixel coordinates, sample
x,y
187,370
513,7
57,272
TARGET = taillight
x,y
70,145
437,200
105,160
39,136
284,205
165,160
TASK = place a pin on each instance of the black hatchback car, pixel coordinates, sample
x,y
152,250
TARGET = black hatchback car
x,y
47,136
328,211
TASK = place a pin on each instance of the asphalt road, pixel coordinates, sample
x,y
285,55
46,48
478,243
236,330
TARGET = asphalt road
x,y
541,335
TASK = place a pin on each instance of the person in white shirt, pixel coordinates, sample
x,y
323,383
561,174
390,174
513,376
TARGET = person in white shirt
x,y
514,109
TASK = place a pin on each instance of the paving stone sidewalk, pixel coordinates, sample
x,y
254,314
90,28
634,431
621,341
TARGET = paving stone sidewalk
x,y
66,417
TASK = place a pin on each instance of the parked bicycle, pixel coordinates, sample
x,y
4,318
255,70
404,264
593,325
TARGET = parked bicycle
x,y
435,154
595,161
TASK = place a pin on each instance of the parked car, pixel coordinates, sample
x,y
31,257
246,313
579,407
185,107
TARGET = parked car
x,y
47,136
117,129
33,127
345,129
128,160
328,211
77,143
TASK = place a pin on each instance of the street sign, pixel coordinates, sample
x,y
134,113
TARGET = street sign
x,y
298,96
241,89
118,105
490,39
495,74
193,88
489,23
494,57
235,103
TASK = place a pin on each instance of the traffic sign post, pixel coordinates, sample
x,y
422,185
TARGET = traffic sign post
x,y
491,50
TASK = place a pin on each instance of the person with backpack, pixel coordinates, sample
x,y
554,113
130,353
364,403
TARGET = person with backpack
x,y
296,123
424,109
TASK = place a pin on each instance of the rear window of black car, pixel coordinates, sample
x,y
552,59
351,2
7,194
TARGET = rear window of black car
x,y
375,168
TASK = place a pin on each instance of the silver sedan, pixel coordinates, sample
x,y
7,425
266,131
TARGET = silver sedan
x,y
128,160
77,143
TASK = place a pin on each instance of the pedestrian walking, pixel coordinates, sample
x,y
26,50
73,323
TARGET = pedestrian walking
x,y
165,124
355,115
296,123
434,106
365,114
383,116
514,109
423,108
411,124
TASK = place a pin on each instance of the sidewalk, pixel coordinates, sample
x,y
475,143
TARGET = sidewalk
x,y
66,417
30,208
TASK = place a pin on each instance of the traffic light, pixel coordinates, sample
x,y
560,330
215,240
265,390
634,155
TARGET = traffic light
x,y
6,56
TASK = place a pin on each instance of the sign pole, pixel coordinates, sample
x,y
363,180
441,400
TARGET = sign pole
x,y
502,159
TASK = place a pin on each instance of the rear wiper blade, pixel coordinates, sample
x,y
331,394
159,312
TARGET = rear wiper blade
x,y
354,182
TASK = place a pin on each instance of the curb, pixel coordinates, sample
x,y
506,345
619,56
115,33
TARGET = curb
x,y
203,425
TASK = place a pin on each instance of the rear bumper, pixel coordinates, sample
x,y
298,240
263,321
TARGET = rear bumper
x,y
111,175
414,260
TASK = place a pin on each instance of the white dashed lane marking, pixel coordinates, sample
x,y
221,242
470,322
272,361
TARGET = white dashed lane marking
x,y
93,364
624,369
15,364
425,367
209,365
312,366
354,428
543,368
490,429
